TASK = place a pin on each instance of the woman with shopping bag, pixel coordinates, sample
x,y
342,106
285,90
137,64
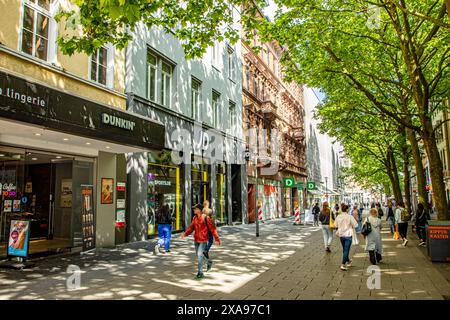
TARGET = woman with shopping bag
x,y
373,236
326,218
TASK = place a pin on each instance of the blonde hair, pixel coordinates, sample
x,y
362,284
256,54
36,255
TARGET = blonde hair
x,y
206,202
373,212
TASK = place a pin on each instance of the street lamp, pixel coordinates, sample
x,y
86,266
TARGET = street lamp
x,y
326,188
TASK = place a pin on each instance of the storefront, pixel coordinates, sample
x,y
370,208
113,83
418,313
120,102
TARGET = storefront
x,y
63,166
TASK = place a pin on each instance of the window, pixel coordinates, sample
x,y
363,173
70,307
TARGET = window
x,y
159,79
99,66
216,108
35,28
215,54
195,98
231,64
233,116
152,66
166,85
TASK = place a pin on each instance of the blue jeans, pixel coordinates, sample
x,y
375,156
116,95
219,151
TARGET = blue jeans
x,y
165,234
391,221
199,249
210,243
346,245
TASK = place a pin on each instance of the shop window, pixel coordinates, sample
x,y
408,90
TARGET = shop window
x,y
195,98
36,28
164,190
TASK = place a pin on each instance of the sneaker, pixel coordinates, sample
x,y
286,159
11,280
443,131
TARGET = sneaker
x,y
168,251
209,266
405,242
344,268
423,244
349,264
328,249
200,276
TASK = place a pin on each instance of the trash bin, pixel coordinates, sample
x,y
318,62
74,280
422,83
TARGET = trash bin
x,y
438,240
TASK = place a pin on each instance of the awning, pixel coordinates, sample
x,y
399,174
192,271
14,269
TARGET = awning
x,y
315,192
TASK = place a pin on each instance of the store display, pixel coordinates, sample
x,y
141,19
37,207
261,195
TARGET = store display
x,y
16,206
87,217
7,205
18,238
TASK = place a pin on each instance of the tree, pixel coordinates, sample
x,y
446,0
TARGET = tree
x,y
196,23
402,53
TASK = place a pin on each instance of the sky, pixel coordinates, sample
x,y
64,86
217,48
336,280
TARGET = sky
x,y
270,10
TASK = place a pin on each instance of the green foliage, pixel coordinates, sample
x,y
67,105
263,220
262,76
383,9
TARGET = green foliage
x,y
196,23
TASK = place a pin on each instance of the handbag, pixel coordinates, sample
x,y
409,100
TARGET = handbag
x,y
396,233
355,239
331,225
366,228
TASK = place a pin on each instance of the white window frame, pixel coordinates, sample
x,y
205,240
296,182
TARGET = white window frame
x,y
52,28
233,116
231,64
196,95
215,55
216,106
153,67
110,52
164,77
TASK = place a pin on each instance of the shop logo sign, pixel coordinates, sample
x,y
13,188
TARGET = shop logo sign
x,y
311,185
289,182
21,97
118,122
163,183
374,280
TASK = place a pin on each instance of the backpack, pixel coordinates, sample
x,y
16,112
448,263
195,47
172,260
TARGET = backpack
x,y
405,215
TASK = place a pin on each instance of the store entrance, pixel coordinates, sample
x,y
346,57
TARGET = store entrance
x,y
37,187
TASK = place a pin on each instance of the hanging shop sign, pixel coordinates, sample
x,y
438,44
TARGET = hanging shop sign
x,y
311,185
32,103
289,182
18,241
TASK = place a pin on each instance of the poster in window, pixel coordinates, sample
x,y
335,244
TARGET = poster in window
x,y
16,206
107,190
87,217
7,206
66,193
29,187
18,238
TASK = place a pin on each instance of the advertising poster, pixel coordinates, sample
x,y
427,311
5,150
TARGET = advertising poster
x,y
16,206
107,190
66,193
87,217
18,238
7,206
120,203
29,187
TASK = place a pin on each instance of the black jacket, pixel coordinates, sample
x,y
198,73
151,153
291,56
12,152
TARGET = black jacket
x,y
421,217
163,215
325,218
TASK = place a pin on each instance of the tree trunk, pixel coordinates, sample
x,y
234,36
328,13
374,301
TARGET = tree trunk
x,y
393,176
447,3
418,166
406,178
436,170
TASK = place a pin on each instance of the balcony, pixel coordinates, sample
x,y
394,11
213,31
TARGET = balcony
x,y
269,110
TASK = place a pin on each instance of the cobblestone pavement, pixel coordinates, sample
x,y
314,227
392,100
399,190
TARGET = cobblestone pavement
x,y
285,262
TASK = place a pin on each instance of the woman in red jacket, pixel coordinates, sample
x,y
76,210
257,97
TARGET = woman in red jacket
x,y
202,225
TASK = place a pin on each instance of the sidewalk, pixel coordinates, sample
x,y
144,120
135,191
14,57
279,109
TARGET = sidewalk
x,y
285,262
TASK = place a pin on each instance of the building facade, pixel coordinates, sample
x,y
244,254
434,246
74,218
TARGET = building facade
x,y
64,134
200,104
273,112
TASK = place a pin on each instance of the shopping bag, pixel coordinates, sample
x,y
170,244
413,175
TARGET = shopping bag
x,y
355,238
396,233
332,227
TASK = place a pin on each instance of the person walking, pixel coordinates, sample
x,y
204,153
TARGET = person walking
x,y
356,215
207,212
373,239
345,223
402,216
379,210
324,217
390,216
422,217
336,210
164,222
200,226
316,212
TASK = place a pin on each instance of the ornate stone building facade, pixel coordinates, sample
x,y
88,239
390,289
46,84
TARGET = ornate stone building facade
x,y
275,108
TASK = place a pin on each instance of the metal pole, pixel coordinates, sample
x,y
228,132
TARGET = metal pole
x,y
256,183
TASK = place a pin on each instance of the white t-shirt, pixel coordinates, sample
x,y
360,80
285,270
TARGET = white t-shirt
x,y
345,223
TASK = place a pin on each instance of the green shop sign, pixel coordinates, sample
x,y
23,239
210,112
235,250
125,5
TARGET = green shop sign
x,y
289,182
311,185
300,186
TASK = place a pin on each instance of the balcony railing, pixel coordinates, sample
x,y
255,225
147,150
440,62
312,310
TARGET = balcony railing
x,y
269,110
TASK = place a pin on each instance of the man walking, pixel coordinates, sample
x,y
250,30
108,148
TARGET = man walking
x,y
201,226
390,216
316,212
